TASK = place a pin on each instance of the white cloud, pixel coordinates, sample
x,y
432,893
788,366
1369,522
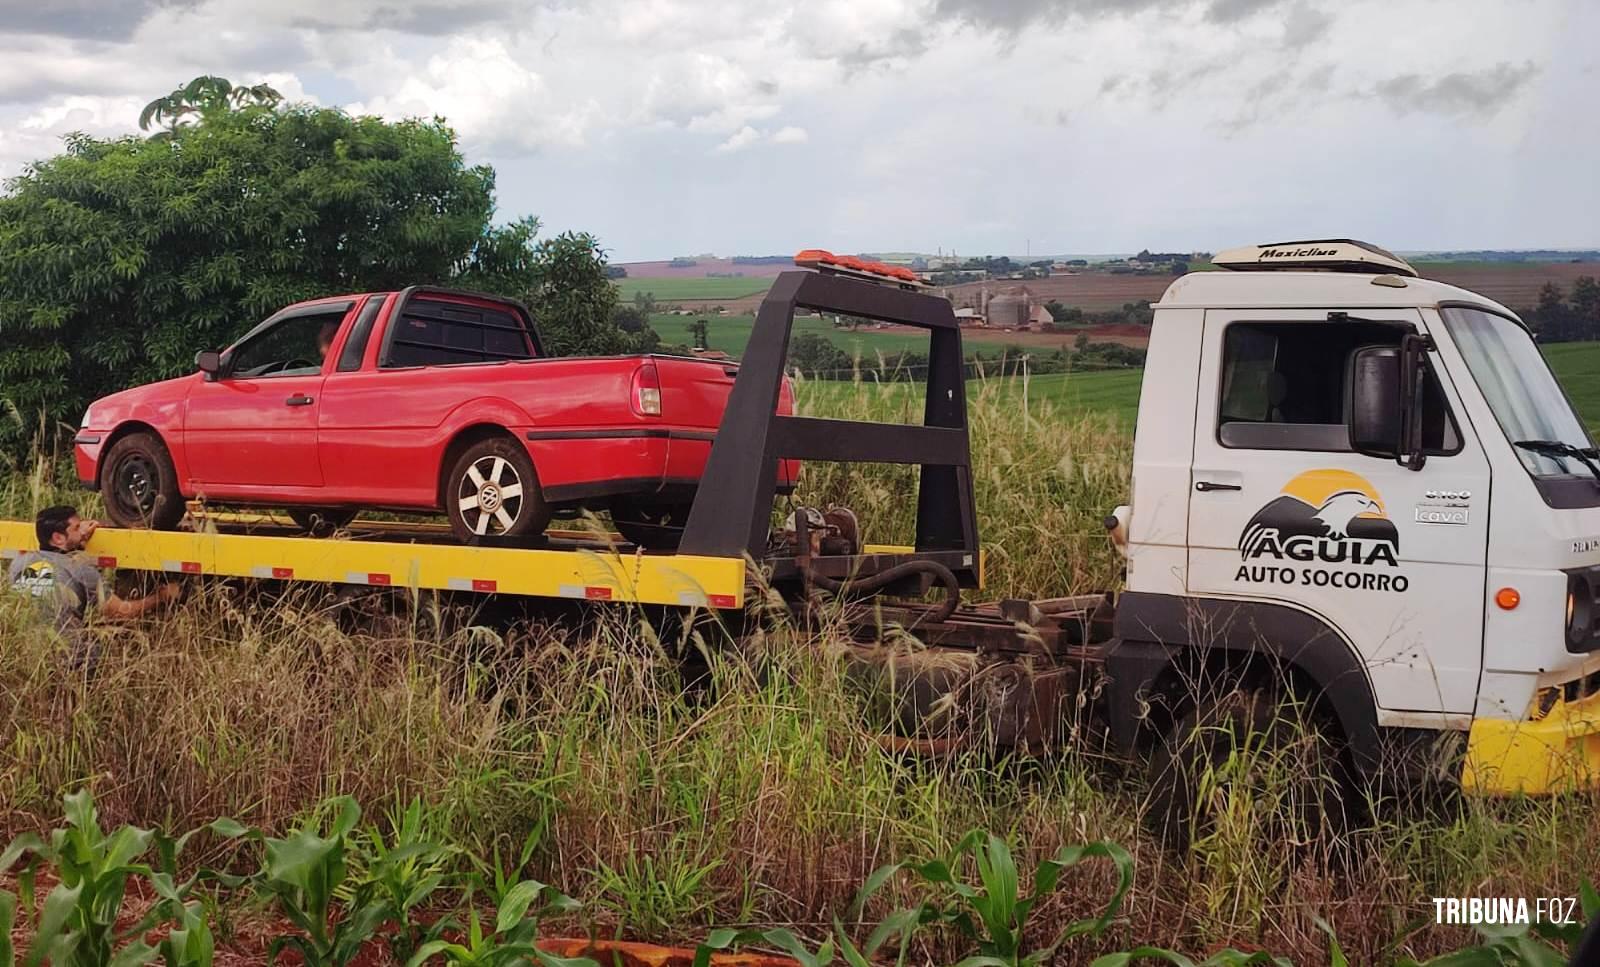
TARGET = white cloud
x,y
1081,125
740,139
488,95
92,115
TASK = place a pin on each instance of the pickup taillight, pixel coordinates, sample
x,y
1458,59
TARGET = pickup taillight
x,y
646,392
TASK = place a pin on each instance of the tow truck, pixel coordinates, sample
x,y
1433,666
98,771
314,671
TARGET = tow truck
x,y
1353,489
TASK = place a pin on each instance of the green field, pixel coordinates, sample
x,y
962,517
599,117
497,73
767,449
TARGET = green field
x,y
690,289
1577,365
730,333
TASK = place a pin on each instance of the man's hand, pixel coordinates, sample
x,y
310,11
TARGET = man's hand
x,y
89,527
121,608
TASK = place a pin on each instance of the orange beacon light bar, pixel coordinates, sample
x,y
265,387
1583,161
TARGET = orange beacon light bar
x,y
825,261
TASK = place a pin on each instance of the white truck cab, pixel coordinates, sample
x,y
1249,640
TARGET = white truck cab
x,y
1376,478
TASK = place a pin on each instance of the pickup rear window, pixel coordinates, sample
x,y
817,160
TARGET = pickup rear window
x,y
433,333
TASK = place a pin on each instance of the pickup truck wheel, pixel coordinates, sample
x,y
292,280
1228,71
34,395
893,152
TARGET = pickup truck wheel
x,y
493,493
140,485
322,521
1243,764
656,527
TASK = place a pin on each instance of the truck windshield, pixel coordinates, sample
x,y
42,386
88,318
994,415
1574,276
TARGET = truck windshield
x,y
1524,395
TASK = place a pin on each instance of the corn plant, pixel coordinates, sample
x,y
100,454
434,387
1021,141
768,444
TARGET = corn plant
x,y
404,874
189,942
77,924
515,931
992,913
304,873
724,937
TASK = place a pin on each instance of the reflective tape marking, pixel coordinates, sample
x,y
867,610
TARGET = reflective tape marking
x,y
105,562
586,592
181,567
472,584
276,573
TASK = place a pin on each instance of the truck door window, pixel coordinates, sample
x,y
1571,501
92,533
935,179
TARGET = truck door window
x,y
432,333
355,345
1284,386
290,347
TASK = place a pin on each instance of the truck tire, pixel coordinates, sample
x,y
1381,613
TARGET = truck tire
x,y
140,485
1246,743
492,494
322,521
655,527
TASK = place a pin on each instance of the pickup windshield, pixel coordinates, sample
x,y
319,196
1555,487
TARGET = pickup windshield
x,y
1524,395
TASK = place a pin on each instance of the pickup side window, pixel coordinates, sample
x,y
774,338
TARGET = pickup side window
x,y
355,345
436,333
295,346
1284,387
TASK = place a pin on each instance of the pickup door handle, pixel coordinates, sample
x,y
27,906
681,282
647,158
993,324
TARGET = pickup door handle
x,y
730,371
298,399
1206,486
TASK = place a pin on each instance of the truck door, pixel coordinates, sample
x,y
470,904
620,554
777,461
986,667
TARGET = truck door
x,y
253,430
1281,510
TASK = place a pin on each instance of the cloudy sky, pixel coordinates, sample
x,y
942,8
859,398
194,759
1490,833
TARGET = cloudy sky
x,y
670,127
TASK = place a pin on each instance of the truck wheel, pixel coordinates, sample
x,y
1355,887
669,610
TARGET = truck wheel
x,y
656,527
493,493
322,521
1245,751
140,485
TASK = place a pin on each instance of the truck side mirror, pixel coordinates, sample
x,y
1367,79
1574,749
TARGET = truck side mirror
x,y
1377,405
208,361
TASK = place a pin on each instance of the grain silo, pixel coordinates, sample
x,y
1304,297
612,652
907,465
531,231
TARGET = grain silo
x,y
1009,309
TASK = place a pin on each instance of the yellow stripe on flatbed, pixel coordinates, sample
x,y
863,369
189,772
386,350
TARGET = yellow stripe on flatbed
x,y
592,573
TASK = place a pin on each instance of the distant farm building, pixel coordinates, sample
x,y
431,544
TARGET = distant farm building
x,y
1010,308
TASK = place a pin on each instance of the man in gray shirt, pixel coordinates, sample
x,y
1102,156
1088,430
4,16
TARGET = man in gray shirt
x,y
66,586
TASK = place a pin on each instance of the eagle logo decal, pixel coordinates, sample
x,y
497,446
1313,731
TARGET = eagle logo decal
x,y
1326,506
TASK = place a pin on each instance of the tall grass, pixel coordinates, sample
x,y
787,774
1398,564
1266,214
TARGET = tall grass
x,y
1043,480
760,797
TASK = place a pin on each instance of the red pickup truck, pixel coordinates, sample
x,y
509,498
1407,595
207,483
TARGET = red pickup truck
x,y
421,400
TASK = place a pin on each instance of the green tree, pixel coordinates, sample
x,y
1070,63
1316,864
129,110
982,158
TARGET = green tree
x,y
119,259
814,355
566,283
701,331
1586,307
645,302
1551,318
572,300
205,96
629,319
